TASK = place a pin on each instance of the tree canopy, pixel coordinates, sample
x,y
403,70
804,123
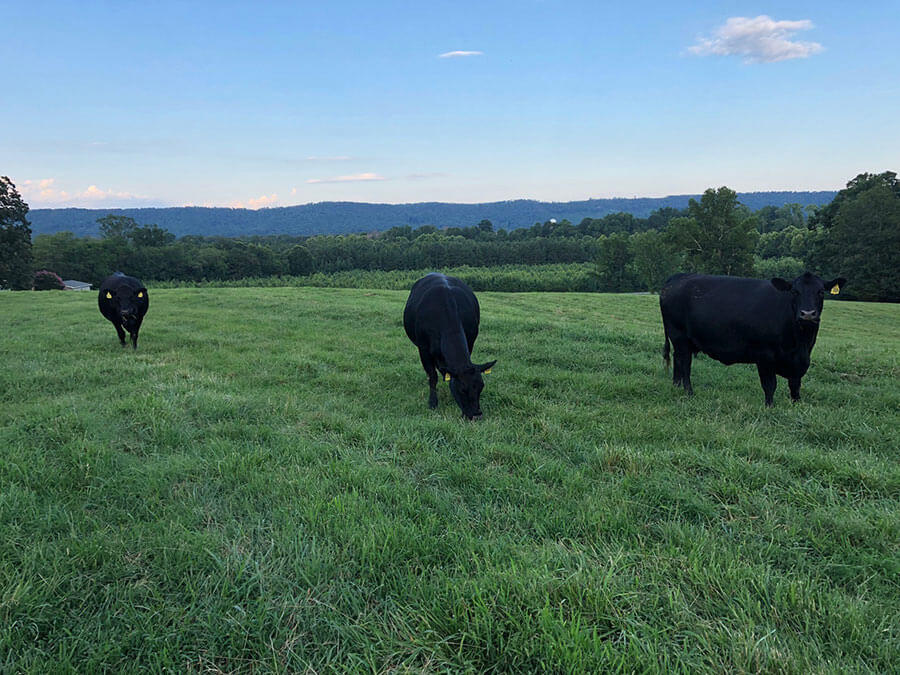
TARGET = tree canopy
x,y
15,239
718,236
823,218
862,241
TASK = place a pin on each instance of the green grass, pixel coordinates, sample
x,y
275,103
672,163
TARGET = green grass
x,y
261,487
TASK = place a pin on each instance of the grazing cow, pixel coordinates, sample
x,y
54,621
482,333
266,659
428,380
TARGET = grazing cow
x,y
735,320
124,301
441,318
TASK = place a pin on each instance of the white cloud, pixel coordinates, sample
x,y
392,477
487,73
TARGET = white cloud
x,y
260,202
44,193
337,158
758,40
348,179
453,55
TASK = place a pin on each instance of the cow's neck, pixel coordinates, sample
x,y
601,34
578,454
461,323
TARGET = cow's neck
x,y
806,334
455,349
800,336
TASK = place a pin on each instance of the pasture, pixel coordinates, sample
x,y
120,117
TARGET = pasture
x,y
261,487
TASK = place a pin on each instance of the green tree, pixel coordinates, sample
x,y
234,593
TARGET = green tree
x,y
718,236
862,242
116,227
299,260
823,218
150,236
15,239
785,267
612,265
653,258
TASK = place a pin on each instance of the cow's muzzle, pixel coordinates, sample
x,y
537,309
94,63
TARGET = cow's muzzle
x,y
809,315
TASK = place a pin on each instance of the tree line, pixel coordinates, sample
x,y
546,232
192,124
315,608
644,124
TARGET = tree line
x,y
857,235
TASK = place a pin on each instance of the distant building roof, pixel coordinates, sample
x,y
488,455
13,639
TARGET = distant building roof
x,y
72,285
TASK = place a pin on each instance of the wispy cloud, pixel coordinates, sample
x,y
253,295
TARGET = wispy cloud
x,y
263,201
758,40
348,179
458,53
425,176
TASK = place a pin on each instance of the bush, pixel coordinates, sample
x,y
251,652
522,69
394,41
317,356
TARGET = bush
x,y
45,280
571,277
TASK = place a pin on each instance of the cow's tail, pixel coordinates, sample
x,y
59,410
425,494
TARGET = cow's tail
x,y
666,351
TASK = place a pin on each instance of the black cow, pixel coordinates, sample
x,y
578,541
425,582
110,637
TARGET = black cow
x,y
124,301
735,320
441,318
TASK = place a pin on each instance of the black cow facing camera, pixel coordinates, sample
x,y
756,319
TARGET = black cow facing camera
x,y
124,301
736,320
441,318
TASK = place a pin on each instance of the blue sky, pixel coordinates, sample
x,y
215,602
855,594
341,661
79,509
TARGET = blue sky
x,y
273,104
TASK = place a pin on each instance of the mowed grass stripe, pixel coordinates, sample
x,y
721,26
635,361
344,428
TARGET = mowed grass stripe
x,y
262,487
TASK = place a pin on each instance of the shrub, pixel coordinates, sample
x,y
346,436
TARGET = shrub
x,y
45,280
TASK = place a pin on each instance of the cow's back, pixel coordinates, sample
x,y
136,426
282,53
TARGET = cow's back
x,y
117,279
436,302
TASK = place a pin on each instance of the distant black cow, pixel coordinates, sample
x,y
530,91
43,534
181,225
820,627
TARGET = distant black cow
x,y
735,320
124,301
441,318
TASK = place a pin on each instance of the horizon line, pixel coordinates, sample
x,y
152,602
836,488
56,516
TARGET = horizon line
x,y
344,201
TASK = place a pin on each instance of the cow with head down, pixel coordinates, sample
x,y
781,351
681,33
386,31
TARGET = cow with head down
x,y
441,318
771,323
124,301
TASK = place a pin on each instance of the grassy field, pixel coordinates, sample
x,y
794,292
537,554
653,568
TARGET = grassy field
x,y
261,487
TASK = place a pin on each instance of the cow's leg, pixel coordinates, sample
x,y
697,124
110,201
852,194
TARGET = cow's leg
x,y
431,371
794,384
676,369
768,381
121,333
683,357
134,336
677,365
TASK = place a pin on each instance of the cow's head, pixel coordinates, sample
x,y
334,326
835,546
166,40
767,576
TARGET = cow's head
x,y
807,295
129,304
466,389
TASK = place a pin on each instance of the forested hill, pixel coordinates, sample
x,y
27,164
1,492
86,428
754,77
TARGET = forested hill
x,y
344,217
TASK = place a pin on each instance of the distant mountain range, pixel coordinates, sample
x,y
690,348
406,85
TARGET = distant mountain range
x,y
346,217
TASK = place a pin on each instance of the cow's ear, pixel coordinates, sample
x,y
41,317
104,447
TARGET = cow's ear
x,y
486,367
781,284
835,285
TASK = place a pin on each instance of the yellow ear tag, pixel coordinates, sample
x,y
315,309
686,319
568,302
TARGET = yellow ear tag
x,y
488,371
108,295
835,289
141,294
446,377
